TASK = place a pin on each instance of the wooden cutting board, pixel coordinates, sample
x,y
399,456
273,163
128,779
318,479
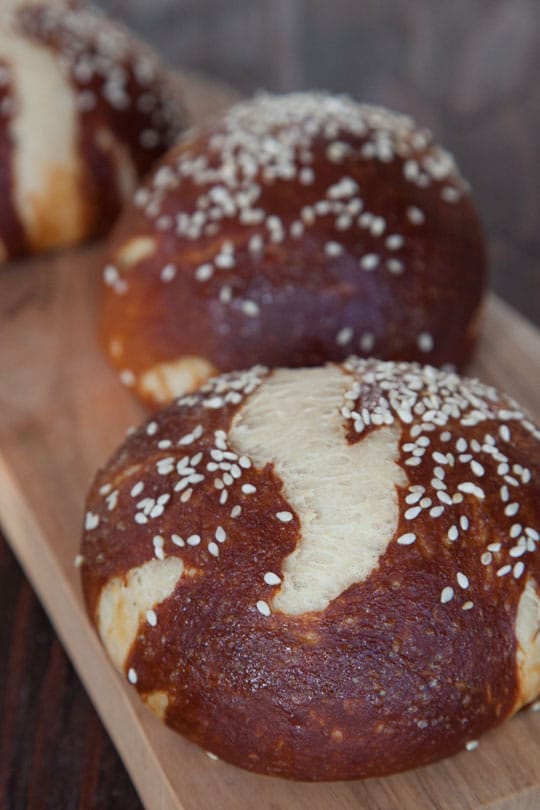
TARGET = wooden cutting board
x,y
62,412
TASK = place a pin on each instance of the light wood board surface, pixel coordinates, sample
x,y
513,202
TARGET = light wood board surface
x,y
62,412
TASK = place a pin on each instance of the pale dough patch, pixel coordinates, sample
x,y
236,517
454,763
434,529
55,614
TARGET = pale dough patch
x,y
116,347
344,495
158,702
47,168
124,601
136,250
528,638
126,175
165,381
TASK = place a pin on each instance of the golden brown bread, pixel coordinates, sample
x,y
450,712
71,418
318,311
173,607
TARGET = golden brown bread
x,y
324,573
296,229
85,110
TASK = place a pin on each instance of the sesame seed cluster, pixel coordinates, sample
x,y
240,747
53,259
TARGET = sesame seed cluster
x,y
298,222
459,440
195,462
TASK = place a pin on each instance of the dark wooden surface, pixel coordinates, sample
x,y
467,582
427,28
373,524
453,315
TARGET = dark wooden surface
x,y
469,70
54,751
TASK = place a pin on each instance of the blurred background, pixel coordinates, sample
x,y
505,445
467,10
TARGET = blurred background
x,y
468,69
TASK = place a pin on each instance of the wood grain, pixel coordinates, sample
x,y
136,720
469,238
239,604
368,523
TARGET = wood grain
x,y
62,411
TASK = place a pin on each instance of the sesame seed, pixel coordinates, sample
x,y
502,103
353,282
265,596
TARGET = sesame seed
x,y
248,489
450,194
306,176
378,225
132,675
221,534
504,433
447,594
477,468
168,273
495,547
472,745
224,261
462,580
151,617
519,568
394,242
78,561
110,275
406,539
333,249
505,569
285,517
344,336
424,341
486,558
512,509
151,428
204,272
250,308
263,607
467,605
453,533
272,579
91,521
213,404
193,540
370,261
395,266
177,540
127,377
415,215
471,489
236,511
367,341
213,549
413,512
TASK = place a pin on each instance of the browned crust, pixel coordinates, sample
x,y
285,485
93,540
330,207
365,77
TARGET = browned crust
x,y
386,678
100,194
305,297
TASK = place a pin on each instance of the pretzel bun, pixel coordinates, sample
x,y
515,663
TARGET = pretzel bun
x,y
85,110
324,573
296,229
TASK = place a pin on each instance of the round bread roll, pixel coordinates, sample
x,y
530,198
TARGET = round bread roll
x,y
295,230
324,573
85,110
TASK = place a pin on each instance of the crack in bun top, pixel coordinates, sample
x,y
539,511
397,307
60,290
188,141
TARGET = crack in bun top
x,y
295,230
324,573
85,110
